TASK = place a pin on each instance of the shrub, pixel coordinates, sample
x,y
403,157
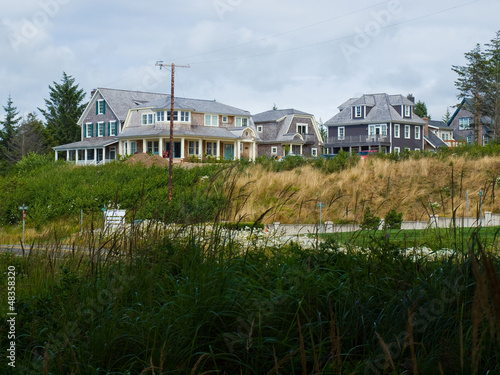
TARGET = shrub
x,y
370,221
393,219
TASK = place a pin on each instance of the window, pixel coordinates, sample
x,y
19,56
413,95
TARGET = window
x,y
112,128
152,147
211,120
396,130
100,129
112,153
274,150
417,132
358,111
241,121
464,123
89,130
100,107
259,128
184,116
133,147
407,131
147,119
193,148
377,130
407,111
224,119
446,136
160,116
212,148
341,132
302,129
176,116
468,139
417,149
485,139
314,152
396,150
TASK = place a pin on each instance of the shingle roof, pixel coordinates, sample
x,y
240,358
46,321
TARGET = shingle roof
x,y
382,110
179,130
434,140
196,105
87,143
275,115
120,101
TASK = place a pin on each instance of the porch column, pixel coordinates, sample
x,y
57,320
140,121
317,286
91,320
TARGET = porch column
x,y
218,149
129,150
95,156
120,147
200,149
144,146
76,156
67,155
254,150
85,156
160,147
56,154
301,149
104,155
182,148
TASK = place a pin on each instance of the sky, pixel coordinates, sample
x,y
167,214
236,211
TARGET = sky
x,y
250,54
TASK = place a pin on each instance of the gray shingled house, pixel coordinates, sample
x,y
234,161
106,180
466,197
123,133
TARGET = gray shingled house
x,y
462,123
375,122
101,122
287,131
201,128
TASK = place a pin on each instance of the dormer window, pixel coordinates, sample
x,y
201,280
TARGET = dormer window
x,y
358,111
147,119
241,121
100,107
407,111
211,120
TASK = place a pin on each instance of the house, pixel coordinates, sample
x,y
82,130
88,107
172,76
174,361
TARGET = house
x,y
201,128
377,121
100,123
437,135
287,131
462,123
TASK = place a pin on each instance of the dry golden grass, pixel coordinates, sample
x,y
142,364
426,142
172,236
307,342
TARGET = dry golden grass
x,y
409,186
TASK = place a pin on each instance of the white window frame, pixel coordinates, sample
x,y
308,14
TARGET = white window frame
x,y
100,129
176,116
407,131
260,128
185,116
314,152
372,130
417,132
89,130
211,119
160,116
397,129
193,148
468,139
407,110
211,148
224,119
464,123
100,106
397,150
133,147
274,150
445,136
341,132
113,129
360,113
148,118
300,125
417,149
241,122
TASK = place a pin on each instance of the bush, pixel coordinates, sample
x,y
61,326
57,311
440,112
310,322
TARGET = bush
x,y
370,221
393,219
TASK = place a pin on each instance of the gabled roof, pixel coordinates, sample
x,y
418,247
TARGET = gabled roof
x,y
439,125
87,143
275,115
120,101
381,111
196,105
434,140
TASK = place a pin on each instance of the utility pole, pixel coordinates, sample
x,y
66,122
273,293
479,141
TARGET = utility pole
x,y
171,147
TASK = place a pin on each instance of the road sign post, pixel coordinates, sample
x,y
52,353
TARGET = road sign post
x,y
320,205
24,208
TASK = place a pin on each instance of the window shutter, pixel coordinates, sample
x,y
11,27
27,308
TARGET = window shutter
x,y
103,107
91,130
109,127
84,130
116,128
97,107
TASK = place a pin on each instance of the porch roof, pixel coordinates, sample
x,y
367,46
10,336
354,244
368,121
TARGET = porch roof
x,y
179,130
87,143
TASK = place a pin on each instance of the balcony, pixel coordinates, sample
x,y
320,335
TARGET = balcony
x,y
358,141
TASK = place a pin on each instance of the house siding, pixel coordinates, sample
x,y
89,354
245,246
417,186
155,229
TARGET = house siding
x,y
94,118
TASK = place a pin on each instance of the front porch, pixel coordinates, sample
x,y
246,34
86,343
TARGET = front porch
x,y
81,153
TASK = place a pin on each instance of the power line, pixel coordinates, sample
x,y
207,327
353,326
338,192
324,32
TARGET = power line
x,y
330,40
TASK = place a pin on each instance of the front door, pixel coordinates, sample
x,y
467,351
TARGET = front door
x,y
228,152
177,149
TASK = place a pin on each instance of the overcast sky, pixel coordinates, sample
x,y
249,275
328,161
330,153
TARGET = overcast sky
x,y
251,54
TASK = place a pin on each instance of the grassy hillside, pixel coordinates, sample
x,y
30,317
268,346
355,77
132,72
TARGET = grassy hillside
x,y
416,187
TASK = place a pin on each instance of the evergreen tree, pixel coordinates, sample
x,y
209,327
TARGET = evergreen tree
x,y
28,138
64,108
447,116
471,84
492,96
421,110
9,126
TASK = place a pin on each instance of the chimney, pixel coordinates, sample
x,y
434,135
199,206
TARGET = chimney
x,y
426,126
92,92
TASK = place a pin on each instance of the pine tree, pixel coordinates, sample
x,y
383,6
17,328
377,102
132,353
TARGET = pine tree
x,y
421,110
447,116
471,85
64,108
492,97
9,126
28,138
